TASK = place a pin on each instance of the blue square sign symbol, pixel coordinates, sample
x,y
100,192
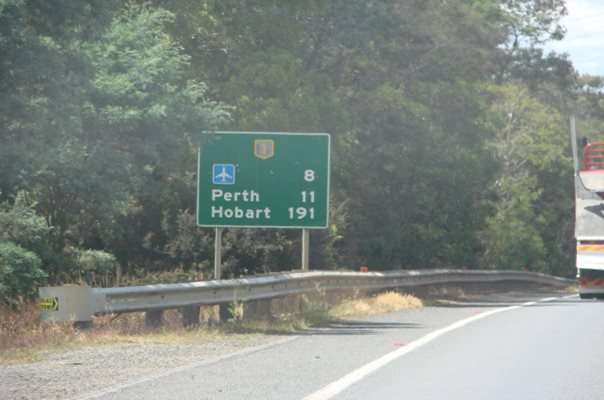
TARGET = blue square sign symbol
x,y
223,174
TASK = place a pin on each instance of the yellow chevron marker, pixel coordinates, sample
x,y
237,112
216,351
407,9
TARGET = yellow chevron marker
x,y
49,303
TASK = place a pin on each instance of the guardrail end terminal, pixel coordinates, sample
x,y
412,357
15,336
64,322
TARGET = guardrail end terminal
x,y
68,303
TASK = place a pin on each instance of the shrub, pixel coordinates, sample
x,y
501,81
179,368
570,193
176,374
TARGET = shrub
x,y
143,277
94,267
20,274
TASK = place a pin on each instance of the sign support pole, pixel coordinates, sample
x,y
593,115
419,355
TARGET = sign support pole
x,y
305,249
218,254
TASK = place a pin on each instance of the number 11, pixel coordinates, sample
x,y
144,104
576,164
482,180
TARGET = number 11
x,y
308,196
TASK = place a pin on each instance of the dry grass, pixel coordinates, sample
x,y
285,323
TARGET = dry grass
x,y
379,304
25,338
22,334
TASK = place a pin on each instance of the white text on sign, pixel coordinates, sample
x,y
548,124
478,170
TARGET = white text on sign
x,y
240,213
245,196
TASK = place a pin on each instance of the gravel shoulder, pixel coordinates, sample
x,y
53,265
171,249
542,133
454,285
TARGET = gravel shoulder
x,y
74,374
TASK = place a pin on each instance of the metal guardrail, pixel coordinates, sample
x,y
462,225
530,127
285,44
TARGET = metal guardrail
x,y
80,303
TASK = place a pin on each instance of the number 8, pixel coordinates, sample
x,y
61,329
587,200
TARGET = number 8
x,y
309,175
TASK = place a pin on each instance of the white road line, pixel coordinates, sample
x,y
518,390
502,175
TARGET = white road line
x,y
346,381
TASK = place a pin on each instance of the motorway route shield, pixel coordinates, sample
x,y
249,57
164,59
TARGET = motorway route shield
x,y
265,180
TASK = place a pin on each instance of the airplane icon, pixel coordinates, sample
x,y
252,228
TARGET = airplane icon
x,y
223,174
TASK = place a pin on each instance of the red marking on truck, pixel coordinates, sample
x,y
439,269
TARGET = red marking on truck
x,y
591,283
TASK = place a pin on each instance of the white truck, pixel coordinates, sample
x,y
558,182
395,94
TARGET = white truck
x,y
589,214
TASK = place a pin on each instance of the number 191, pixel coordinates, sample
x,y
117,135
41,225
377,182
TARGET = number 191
x,y
301,213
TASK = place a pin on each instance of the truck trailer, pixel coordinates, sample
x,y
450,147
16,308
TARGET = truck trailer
x,y
589,214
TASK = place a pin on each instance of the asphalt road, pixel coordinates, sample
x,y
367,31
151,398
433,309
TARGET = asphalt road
x,y
487,349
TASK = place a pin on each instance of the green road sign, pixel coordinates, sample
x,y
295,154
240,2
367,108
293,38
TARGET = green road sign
x,y
265,180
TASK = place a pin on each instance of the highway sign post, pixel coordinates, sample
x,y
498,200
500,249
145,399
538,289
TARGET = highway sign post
x,y
264,180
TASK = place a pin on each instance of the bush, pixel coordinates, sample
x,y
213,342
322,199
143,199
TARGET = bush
x,y
143,277
93,267
20,274
20,224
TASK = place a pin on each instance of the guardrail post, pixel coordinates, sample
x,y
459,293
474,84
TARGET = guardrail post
x,y
223,312
258,309
154,318
190,316
81,325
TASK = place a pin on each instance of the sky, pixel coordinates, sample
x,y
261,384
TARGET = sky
x,y
584,40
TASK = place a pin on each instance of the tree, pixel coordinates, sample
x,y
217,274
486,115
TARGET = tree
x,y
532,147
399,86
101,104
99,116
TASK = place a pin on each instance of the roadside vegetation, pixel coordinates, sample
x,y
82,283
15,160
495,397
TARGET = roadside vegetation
x,y
24,338
448,125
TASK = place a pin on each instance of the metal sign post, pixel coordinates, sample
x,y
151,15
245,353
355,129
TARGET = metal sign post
x,y
218,254
305,249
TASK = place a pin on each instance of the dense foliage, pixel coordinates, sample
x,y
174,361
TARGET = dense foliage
x,y
448,123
